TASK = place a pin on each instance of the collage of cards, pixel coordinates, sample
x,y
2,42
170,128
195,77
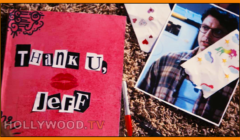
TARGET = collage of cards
x,y
120,70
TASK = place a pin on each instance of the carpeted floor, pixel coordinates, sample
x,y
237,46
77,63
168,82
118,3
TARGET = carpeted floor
x,y
145,110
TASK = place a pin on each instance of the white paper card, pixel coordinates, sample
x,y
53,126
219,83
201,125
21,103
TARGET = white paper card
x,y
36,106
36,57
148,21
216,66
93,61
60,58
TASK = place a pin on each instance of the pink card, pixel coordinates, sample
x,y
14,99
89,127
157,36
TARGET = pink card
x,y
62,74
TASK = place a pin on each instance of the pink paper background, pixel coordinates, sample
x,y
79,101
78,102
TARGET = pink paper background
x,y
75,32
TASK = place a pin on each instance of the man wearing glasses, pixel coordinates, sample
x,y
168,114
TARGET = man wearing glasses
x,y
167,80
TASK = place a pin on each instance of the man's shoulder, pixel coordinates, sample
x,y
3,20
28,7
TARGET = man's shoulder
x,y
177,54
174,56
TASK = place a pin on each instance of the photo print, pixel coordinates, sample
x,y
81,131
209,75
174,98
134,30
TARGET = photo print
x,y
173,28
208,34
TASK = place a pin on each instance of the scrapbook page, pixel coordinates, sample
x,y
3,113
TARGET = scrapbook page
x,y
63,73
147,116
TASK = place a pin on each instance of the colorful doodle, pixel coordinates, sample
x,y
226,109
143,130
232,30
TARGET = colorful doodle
x,y
200,59
235,39
208,57
232,53
206,87
234,69
227,76
224,61
227,41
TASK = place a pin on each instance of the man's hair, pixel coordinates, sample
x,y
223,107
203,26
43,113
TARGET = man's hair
x,y
227,20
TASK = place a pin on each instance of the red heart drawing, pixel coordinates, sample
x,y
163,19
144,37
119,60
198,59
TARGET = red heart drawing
x,y
150,36
134,20
150,10
150,18
145,42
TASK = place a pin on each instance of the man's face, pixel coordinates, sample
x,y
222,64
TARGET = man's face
x,y
210,32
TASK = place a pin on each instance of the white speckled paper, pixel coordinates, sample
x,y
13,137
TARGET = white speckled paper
x,y
148,21
216,66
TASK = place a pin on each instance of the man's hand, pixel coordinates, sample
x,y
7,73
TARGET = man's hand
x,y
5,132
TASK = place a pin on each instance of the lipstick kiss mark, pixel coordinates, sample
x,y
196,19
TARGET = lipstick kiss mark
x,y
134,20
150,18
145,42
64,81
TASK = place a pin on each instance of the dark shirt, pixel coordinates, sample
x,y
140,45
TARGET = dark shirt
x,y
165,77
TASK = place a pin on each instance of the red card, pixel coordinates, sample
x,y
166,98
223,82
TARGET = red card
x,y
52,83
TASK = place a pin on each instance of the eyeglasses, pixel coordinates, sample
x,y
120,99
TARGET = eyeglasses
x,y
216,32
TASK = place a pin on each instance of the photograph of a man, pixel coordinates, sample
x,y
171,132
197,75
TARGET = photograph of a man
x,y
166,79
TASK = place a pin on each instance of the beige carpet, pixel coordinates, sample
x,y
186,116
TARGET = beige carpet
x,y
144,109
